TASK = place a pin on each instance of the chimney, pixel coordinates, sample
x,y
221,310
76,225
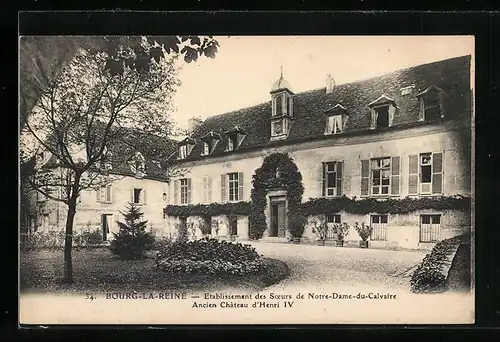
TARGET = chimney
x,y
330,84
193,123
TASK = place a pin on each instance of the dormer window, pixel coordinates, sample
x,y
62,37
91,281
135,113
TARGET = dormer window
x,y
282,109
232,142
382,112
185,147
336,119
183,151
138,165
210,141
431,104
382,116
206,148
234,138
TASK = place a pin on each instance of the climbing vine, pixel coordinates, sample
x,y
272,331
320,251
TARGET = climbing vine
x,y
278,171
392,205
214,209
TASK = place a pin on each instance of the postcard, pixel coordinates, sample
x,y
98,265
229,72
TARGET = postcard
x,y
246,180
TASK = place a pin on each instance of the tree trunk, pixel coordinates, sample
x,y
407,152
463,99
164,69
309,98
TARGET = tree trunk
x,y
68,241
68,244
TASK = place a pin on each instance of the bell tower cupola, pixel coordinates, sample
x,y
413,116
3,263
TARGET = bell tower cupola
x,y
282,114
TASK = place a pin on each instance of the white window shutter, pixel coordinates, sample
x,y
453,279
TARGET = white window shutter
x,y
98,194
365,177
176,191
437,173
374,119
392,111
144,192
189,190
132,195
413,174
223,188
209,186
241,185
339,168
395,175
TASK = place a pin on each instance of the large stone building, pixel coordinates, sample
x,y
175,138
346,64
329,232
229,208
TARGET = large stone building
x,y
400,136
131,177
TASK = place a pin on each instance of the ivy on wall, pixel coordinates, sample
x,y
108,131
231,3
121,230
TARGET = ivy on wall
x,y
278,171
213,209
365,206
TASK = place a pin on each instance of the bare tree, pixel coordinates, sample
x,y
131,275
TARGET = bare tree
x,y
89,106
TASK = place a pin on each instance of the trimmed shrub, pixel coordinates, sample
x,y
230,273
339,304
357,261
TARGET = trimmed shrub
x,y
429,276
209,256
296,224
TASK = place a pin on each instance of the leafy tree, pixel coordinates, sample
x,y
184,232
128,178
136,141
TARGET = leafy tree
x,y
42,57
132,241
88,108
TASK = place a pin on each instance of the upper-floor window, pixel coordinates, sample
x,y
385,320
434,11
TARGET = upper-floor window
x,y
425,173
332,179
183,151
207,189
380,176
431,104
382,117
232,142
232,187
334,124
336,118
185,147
182,191
139,196
383,110
207,148
104,193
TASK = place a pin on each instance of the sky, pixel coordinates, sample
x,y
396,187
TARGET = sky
x,y
245,67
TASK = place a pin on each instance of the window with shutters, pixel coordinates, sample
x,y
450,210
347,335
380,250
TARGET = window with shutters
x,y
430,228
207,189
104,194
232,187
233,184
379,227
185,190
426,174
380,176
332,179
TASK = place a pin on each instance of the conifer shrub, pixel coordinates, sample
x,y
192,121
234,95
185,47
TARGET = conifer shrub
x,y
133,240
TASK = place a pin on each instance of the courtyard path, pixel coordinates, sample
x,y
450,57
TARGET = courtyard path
x,y
340,267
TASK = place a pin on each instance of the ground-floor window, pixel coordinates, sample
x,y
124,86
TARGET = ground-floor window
x,y
430,228
332,219
379,227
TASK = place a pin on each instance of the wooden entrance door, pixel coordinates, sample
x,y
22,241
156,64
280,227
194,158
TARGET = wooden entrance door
x,y
106,223
277,220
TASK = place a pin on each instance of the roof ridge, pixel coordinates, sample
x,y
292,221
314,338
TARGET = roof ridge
x,y
342,85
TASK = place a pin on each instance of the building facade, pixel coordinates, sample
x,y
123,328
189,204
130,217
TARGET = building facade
x,y
403,135
126,177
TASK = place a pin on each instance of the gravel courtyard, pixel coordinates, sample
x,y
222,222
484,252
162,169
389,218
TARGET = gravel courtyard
x,y
334,267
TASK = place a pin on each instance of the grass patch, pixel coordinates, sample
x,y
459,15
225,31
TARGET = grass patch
x,y
98,270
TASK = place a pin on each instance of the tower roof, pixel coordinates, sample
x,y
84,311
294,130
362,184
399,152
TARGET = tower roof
x,y
281,84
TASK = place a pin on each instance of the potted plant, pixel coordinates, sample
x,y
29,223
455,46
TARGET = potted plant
x,y
296,225
364,231
216,228
320,228
340,230
192,226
